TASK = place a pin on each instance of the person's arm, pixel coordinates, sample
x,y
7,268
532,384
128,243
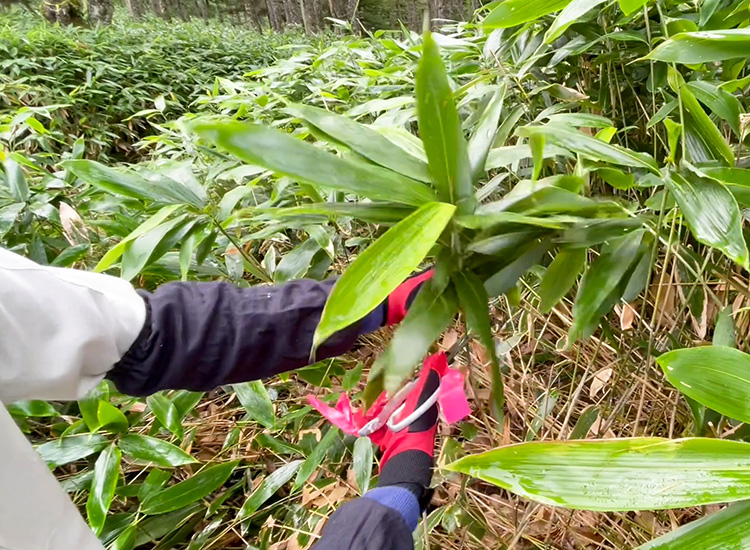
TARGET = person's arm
x,y
62,331
198,336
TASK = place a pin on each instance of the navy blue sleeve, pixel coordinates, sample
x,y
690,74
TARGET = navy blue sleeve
x,y
365,524
198,336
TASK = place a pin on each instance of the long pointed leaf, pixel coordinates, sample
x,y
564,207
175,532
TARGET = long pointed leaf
x,y
363,140
114,253
505,279
151,449
618,474
560,276
596,294
515,12
362,463
704,127
293,157
106,474
373,212
143,250
268,487
704,46
440,130
715,376
722,103
189,491
711,212
381,268
484,134
314,459
16,180
572,13
590,147
724,530
129,184
254,398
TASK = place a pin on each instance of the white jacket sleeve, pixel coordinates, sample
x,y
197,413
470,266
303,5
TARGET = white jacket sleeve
x,y
61,330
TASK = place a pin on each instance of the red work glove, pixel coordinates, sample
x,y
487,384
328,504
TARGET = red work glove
x,y
420,435
399,300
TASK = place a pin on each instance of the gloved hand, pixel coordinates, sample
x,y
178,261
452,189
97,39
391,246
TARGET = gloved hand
x,y
408,454
416,442
400,300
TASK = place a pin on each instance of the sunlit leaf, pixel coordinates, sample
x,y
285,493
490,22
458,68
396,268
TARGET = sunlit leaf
x,y
484,134
715,376
723,530
618,474
704,46
569,15
381,268
514,12
295,158
441,132
630,6
363,140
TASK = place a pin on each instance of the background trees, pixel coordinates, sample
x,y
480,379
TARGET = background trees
x,y
311,15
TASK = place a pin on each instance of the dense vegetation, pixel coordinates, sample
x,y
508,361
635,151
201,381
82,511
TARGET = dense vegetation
x,y
102,84
578,165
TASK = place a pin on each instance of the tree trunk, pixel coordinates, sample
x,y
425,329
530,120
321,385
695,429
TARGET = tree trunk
x,y
415,14
351,11
159,8
135,8
181,10
56,13
202,8
303,13
274,17
292,12
63,12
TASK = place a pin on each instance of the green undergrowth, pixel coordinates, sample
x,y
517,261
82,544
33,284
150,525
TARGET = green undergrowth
x,y
577,173
94,82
